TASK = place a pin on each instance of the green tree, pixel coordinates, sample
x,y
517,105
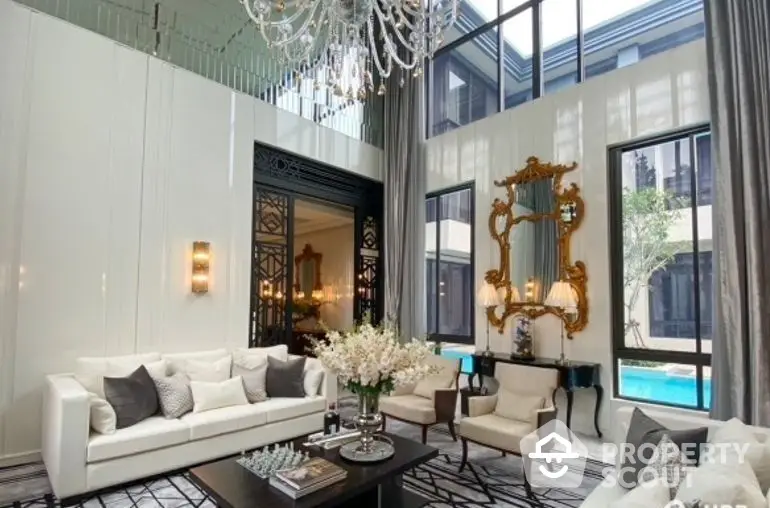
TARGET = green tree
x,y
648,215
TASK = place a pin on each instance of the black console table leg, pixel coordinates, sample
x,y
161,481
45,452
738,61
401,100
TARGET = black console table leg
x,y
599,397
570,397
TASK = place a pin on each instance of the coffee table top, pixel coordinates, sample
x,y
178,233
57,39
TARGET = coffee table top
x,y
233,486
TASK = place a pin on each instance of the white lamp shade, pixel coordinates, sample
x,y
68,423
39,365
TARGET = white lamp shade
x,y
488,296
561,295
515,296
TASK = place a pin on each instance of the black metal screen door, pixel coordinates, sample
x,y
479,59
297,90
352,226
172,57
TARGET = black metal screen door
x,y
271,269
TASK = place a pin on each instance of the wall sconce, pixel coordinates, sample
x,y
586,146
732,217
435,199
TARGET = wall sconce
x,y
200,267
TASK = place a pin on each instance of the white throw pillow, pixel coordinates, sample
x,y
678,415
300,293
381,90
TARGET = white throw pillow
x,y
736,433
729,483
177,362
91,371
208,396
653,494
209,372
311,381
103,418
516,406
251,358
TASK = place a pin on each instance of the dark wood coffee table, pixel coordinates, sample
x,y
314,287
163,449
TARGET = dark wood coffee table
x,y
233,486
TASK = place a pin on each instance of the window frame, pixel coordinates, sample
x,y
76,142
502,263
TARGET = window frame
x,y
436,336
620,351
538,60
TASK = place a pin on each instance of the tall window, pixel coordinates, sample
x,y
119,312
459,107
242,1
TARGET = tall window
x,y
449,264
500,54
660,212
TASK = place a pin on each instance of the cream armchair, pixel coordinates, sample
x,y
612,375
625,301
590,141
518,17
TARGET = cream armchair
x,y
522,404
431,401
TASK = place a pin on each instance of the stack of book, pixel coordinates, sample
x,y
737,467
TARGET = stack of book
x,y
307,477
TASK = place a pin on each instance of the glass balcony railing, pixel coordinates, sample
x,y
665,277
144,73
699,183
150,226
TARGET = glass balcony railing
x,y
217,40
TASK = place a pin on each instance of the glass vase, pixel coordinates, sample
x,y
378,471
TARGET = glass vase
x,y
368,420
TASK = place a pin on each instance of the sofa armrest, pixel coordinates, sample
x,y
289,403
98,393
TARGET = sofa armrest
x,y
543,416
403,390
66,426
445,404
481,405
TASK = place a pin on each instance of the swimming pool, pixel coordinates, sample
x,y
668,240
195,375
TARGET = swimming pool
x,y
636,382
659,386
467,365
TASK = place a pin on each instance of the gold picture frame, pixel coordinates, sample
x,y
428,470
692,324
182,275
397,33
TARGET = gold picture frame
x,y
568,214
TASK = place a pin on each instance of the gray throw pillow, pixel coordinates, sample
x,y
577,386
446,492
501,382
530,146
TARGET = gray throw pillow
x,y
284,379
646,431
132,397
174,395
254,381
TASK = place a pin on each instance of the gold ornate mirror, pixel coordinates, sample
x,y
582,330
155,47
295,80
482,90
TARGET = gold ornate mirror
x,y
533,228
307,273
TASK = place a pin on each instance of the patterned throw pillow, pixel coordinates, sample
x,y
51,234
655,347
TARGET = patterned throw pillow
x,y
254,379
174,395
668,464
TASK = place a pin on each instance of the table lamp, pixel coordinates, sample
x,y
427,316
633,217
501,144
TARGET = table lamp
x,y
562,295
488,297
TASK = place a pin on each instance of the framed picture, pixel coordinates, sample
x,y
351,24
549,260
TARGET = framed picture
x,y
523,341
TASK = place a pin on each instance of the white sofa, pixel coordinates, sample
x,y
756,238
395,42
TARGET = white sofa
x,y
608,492
80,461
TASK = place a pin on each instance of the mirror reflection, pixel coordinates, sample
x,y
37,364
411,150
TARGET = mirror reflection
x,y
534,241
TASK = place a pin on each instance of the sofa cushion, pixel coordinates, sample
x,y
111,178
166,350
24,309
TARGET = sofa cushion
x,y
253,356
604,494
153,433
208,396
209,371
736,433
177,362
447,369
516,406
495,431
90,371
132,397
224,420
647,495
285,408
284,379
411,408
254,376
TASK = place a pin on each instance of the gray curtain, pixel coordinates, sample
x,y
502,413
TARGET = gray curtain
x,y
738,42
404,180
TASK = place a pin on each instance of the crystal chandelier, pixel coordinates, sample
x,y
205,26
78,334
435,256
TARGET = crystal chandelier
x,y
343,43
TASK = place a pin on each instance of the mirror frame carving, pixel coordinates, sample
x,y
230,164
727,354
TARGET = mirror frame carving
x,y
572,272
307,254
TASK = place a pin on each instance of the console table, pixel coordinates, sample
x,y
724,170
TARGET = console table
x,y
572,376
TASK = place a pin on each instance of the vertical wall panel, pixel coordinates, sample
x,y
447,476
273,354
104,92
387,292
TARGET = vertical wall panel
x,y
82,172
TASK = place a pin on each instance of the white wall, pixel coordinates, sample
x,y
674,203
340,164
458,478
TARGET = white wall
x,y
336,246
659,94
111,164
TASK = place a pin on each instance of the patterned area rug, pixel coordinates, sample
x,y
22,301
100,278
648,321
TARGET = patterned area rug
x,y
490,481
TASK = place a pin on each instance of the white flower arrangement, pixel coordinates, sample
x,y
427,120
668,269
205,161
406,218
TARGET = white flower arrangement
x,y
371,360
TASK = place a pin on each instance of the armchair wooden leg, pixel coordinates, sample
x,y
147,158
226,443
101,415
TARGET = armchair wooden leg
x,y
451,425
464,459
424,434
527,486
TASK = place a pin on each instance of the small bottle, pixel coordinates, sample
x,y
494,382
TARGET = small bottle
x,y
331,420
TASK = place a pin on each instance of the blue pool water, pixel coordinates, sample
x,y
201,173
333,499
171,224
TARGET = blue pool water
x,y
637,383
659,386
467,365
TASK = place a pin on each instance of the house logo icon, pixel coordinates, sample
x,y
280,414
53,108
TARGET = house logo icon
x,y
553,456
550,441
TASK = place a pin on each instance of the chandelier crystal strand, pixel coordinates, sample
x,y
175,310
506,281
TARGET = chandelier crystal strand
x,y
352,39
